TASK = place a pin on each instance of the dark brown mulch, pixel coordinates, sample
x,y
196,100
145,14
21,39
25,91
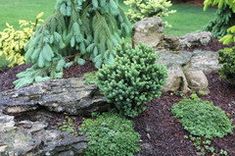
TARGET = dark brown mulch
x,y
8,76
164,133
214,45
159,129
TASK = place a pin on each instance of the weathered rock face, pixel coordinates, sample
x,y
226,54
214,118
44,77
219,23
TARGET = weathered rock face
x,y
176,80
186,70
195,39
21,138
149,31
197,81
71,96
206,61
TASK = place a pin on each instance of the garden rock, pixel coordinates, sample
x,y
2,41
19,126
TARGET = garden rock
x,y
195,39
34,138
170,43
197,81
149,31
186,70
170,58
206,61
176,80
70,96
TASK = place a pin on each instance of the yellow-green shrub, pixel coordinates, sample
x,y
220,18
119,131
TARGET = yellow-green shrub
x,y
230,37
140,9
12,41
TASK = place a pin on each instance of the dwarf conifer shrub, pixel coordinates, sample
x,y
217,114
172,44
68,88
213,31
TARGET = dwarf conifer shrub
x,y
201,118
78,30
223,20
227,60
110,135
132,80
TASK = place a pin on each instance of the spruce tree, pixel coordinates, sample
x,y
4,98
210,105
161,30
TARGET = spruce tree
x,y
78,29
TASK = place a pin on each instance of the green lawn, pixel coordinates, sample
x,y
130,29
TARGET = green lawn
x,y
13,10
188,18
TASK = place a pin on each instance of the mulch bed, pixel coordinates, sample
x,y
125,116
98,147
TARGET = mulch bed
x,y
214,45
161,133
164,133
8,76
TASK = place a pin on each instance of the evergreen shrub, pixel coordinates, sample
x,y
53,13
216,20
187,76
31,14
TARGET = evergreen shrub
x,y
227,60
132,80
139,9
78,30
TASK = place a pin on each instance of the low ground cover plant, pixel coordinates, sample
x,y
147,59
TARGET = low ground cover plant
x,y
201,118
132,80
109,135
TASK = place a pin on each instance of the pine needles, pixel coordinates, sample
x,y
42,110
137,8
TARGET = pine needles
x,y
82,28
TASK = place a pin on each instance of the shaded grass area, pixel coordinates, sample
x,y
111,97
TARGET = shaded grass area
x,y
14,10
188,18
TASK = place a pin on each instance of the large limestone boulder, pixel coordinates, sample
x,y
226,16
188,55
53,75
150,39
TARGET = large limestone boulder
x,y
195,39
186,70
71,96
170,58
149,31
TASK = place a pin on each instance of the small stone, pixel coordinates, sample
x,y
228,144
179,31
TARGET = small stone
x,y
197,81
176,80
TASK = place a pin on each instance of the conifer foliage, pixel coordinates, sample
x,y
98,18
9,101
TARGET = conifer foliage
x,y
83,29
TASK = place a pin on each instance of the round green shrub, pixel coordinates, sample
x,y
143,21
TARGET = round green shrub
x,y
227,60
202,118
132,80
110,135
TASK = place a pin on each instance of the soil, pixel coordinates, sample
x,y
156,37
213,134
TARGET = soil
x,y
163,135
8,76
214,45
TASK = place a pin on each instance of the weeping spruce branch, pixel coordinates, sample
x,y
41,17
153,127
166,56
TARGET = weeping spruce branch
x,y
85,29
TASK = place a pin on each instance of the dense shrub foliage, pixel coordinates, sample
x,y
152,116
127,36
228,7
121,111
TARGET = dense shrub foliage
x,y
202,118
12,42
132,80
78,30
224,19
140,9
110,135
227,17
227,60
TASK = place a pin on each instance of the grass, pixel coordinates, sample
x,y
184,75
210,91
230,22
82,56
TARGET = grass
x,y
187,19
14,10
